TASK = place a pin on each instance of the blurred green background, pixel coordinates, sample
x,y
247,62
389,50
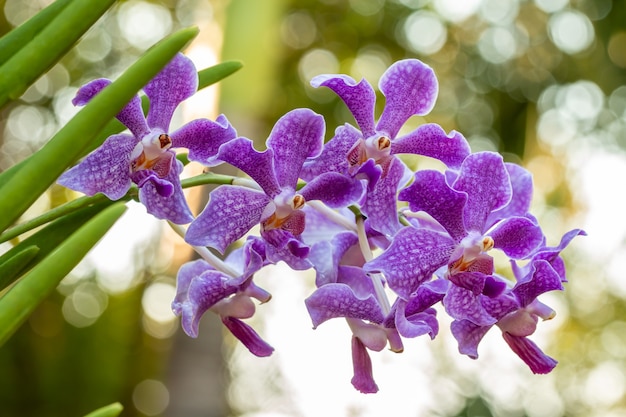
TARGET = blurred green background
x,y
541,81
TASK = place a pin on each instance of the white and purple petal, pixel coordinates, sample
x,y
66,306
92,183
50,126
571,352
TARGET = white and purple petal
x,y
203,138
231,212
131,115
248,337
412,258
517,237
363,379
485,179
522,188
529,352
463,304
173,207
241,154
177,81
541,279
380,204
359,97
432,141
468,335
296,137
106,170
333,189
334,154
430,193
410,88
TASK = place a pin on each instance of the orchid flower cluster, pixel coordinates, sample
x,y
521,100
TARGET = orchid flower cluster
x,y
391,247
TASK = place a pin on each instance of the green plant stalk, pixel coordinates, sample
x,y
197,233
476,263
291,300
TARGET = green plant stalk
x,y
20,301
48,46
45,166
17,38
111,410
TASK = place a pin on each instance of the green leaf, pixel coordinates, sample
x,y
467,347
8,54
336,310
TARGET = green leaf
x,y
20,301
48,46
111,410
216,73
45,166
17,38
13,266
47,239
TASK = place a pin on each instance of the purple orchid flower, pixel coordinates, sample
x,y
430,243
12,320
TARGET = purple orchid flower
x,y
478,212
517,312
233,210
201,288
145,156
410,88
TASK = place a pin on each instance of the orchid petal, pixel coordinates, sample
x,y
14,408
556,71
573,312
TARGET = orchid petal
x,y
248,337
412,258
410,88
174,207
334,155
468,335
430,193
522,194
431,140
231,212
131,115
296,136
516,236
363,379
485,179
175,83
380,205
339,300
529,352
241,154
203,138
543,278
105,170
462,304
359,97
333,189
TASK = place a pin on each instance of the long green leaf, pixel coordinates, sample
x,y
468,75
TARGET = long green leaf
x,y
13,266
211,75
48,46
111,410
46,240
20,301
45,166
24,33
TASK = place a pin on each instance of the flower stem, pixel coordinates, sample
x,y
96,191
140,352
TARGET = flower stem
x,y
375,277
206,254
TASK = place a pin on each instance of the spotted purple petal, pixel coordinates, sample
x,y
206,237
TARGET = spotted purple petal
x,y
248,337
462,304
430,193
431,140
333,189
204,291
131,115
412,258
173,84
485,179
334,155
529,352
174,207
241,154
296,137
542,278
340,300
410,88
363,379
522,194
186,273
415,324
231,212
516,236
203,138
380,205
359,97
468,335
105,170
